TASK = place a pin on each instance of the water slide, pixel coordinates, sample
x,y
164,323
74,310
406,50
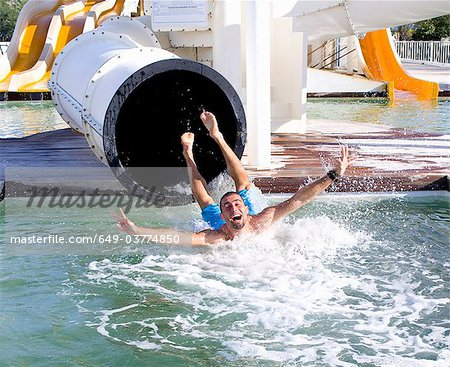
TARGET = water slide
x,y
43,28
132,100
368,20
382,63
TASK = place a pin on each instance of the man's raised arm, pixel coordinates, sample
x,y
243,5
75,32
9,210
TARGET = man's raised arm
x,y
305,194
203,238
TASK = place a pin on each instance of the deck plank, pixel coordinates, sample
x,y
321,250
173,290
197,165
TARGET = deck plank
x,y
388,160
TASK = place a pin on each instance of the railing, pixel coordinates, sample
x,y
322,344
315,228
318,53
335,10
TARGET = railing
x,y
334,52
3,47
427,52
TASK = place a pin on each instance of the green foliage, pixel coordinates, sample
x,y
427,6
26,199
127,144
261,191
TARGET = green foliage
x,y
427,30
9,10
432,29
404,32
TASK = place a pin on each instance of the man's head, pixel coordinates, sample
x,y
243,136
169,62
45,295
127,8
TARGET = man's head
x,y
233,210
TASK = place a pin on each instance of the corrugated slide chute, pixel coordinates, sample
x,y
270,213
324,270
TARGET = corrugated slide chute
x,y
383,64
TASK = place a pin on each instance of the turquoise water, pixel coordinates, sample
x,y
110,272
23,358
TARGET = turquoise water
x,y
347,281
410,114
20,119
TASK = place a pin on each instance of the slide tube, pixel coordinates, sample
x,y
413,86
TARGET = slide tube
x,y
58,20
382,63
134,101
32,9
38,71
329,19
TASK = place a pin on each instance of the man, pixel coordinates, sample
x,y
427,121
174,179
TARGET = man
x,y
234,215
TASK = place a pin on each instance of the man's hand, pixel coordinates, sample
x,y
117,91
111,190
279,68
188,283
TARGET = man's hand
x,y
345,161
210,122
123,223
305,194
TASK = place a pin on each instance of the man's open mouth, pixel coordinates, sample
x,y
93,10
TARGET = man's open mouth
x,y
236,217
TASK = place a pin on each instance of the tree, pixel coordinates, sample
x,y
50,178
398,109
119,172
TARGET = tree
x,y
9,11
432,29
404,32
427,30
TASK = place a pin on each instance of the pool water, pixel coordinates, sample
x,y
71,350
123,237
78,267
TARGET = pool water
x,y
20,119
403,113
347,280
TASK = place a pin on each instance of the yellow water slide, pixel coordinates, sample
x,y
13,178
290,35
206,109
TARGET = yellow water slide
x,y
383,64
43,28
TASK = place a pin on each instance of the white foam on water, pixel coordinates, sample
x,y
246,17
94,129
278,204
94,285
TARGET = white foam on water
x,y
105,326
105,317
144,344
396,323
181,188
221,184
282,296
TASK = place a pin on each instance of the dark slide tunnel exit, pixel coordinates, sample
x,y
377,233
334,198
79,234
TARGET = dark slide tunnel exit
x,y
153,108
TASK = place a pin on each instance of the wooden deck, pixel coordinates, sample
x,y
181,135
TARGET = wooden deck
x,y
393,160
388,160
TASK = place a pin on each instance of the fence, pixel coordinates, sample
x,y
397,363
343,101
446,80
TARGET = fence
x,y
427,52
3,47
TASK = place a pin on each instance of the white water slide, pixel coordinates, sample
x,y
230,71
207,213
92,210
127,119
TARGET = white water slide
x,y
324,20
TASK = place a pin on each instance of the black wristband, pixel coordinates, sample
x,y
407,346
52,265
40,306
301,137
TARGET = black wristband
x,y
333,175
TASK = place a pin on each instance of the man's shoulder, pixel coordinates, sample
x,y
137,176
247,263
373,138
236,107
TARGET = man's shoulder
x,y
267,212
262,220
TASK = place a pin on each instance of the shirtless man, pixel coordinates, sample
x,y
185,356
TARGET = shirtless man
x,y
234,215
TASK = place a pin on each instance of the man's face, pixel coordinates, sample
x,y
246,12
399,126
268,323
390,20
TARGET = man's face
x,y
234,211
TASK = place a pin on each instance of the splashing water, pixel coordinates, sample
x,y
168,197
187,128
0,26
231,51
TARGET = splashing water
x,y
252,295
310,291
224,183
346,281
